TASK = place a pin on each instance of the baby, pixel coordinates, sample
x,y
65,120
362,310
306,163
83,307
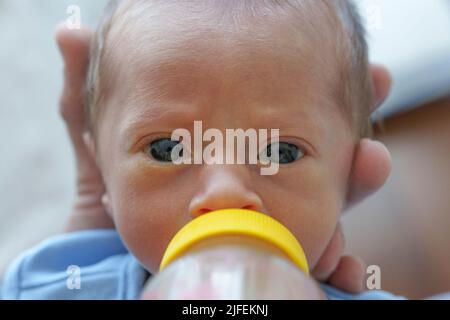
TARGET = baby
x,y
298,66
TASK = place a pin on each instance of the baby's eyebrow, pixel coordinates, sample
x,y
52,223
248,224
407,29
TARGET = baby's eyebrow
x,y
165,118
159,117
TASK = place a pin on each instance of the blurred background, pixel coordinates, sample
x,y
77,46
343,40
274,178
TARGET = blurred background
x,y
404,228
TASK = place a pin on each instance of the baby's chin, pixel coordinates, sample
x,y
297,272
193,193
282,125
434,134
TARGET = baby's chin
x,y
152,268
149,260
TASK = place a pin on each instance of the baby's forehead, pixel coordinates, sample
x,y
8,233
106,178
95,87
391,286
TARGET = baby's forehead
x,y
311,24
235,70
176,44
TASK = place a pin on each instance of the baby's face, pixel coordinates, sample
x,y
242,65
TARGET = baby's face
x,y
166,75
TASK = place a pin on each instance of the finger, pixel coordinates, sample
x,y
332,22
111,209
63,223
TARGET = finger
x,y
349,275
371,168
74,46
330,258
382,83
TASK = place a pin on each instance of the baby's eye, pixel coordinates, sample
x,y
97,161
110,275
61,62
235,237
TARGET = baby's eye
x,y
287,152
161,149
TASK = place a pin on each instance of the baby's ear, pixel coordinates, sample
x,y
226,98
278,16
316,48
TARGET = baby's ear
x,y
90,145
107,204
370,169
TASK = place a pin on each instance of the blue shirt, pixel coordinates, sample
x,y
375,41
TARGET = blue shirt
x,y
103,264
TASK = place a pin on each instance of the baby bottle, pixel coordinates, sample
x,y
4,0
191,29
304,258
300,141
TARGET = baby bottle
x,y
233,254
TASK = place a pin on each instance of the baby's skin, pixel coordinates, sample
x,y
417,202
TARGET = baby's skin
x,y
194,70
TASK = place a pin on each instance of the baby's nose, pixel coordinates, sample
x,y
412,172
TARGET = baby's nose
x,y
222,190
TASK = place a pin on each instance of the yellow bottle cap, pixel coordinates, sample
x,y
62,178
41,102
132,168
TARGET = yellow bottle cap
x,y
236,222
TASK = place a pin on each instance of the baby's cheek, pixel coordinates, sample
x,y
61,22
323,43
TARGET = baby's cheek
x,y
315,228
320,235
146,217
329,208
310,207
143,230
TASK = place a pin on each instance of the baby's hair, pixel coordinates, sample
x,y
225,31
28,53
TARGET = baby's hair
x,y
353,82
